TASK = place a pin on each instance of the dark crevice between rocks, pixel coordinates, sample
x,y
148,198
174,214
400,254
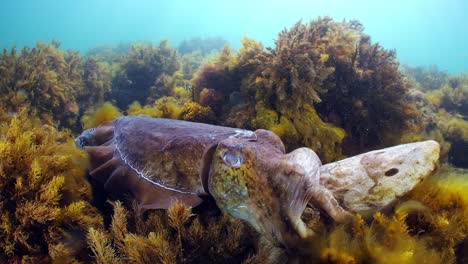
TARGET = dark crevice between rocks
x,y
458,154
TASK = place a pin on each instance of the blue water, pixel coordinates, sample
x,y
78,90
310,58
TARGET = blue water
x,y
423,32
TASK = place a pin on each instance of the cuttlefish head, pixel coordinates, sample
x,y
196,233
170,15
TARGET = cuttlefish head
x,y
256,181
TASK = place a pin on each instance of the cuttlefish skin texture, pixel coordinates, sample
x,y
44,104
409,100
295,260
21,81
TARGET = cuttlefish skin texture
x,y
160,161
247,172
157,160
268,191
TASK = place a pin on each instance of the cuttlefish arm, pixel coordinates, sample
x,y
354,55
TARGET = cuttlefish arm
x,y
373,180
306,162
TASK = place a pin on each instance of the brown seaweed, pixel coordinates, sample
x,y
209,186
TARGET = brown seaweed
x,y
57,85
44,196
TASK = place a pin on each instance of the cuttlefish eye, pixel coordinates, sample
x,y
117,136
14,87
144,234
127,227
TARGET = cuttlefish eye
x,y
232,159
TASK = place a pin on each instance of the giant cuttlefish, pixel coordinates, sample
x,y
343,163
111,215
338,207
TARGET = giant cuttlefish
x,y
248,173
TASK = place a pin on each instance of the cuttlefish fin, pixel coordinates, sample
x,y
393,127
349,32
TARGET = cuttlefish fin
x,y
147,194
151,196
103,172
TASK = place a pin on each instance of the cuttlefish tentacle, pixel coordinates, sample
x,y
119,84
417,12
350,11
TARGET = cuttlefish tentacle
x,y
306,162
324,199
301,168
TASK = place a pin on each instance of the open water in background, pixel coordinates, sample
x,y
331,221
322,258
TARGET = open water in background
x,y
423,32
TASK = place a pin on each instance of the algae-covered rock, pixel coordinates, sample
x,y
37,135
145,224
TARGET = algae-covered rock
x,y
375,179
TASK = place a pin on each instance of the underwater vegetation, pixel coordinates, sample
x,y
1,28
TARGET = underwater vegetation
x,y
45,198
425,226
323,85
452,95
95,117
97,78
444,117
141,71
429,77
170,107
52,82
173,236
109,53
323,70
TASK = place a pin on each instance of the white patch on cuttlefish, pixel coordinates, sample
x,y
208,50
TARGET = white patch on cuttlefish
x,y
85,138
247,134
143,175
211,136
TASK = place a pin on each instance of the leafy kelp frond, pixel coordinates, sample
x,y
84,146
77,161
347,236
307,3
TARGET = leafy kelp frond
x,y
307,129
451,95
97,77
334,67
294,70
178,215
386,240
165,107
44,196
